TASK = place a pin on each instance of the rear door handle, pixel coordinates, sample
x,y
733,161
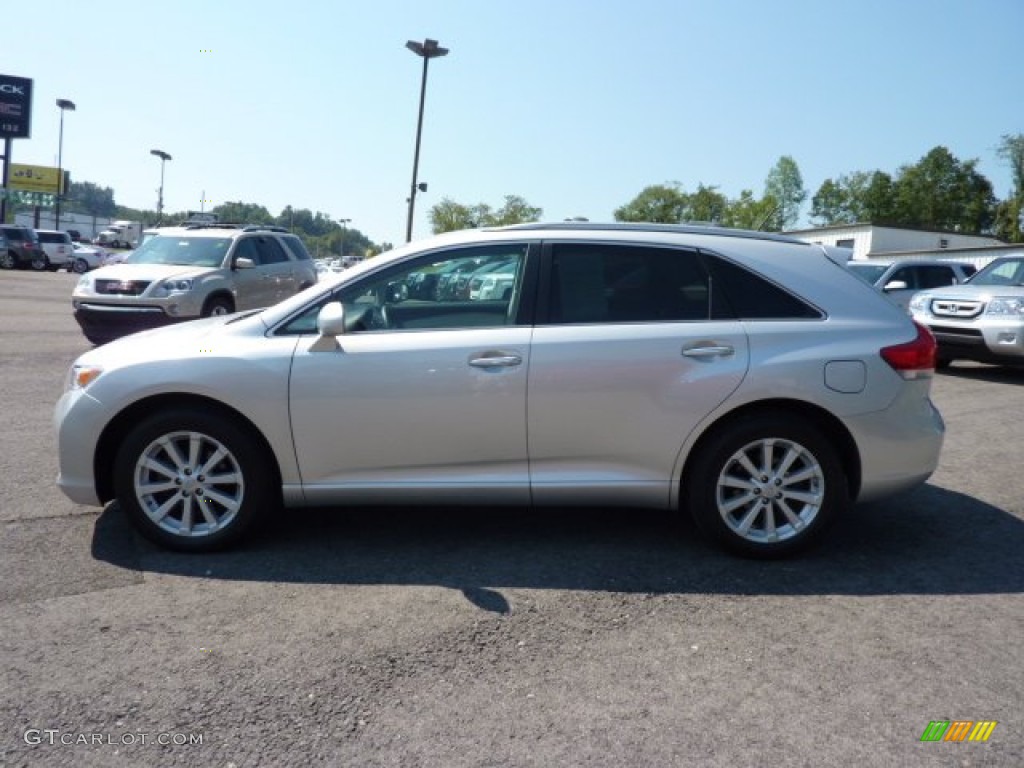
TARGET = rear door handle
x,y
711,350
495,361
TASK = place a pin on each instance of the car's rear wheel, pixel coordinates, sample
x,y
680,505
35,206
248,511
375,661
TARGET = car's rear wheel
x,y
7,260
39,262
767,486
216,306
192,480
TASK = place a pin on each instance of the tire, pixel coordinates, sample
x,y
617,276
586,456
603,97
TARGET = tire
x,y
182,507
79,266
942,362
218,305
40,263
746,513
7,260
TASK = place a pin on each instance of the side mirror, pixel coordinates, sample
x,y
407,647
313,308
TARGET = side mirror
x,y
895,285
243,263
331,319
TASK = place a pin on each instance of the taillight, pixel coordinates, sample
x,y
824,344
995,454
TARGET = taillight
x,y
913,359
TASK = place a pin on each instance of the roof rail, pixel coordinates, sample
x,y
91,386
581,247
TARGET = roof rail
x,y
631,226
264,228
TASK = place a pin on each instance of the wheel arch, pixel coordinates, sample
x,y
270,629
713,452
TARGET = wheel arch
x,y
830,426
115,432
219,293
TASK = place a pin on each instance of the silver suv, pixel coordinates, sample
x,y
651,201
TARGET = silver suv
x,y
900,280
184,273
746,378
981,321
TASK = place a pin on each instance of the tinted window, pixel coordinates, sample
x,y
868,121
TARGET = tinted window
x,y
270,252
54,237
601,283
296,247
935,276
741,293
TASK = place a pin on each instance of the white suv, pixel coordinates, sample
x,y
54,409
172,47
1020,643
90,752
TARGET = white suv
x,y
57,246
185,273
981,321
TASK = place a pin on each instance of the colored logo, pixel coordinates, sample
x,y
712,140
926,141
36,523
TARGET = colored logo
x,y
959,730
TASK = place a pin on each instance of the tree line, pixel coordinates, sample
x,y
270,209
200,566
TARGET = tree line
x,y
938,192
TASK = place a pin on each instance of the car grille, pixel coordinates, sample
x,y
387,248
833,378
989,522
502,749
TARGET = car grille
x,y
956,308
965,333
122,287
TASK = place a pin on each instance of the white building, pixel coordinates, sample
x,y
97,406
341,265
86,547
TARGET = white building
x,y
868,241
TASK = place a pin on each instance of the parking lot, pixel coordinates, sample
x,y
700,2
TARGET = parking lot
x,y
604,637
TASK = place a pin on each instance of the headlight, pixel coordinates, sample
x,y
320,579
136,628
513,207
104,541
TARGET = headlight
x,y
84,283
176,285
919,303
81,376
1009,306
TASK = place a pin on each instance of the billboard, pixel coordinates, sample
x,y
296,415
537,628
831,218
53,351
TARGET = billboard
x,y
15,107
33,178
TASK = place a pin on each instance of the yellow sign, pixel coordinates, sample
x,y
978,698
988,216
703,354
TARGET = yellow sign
x,y
34,178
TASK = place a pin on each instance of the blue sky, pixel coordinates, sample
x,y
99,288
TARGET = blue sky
x,y
574,105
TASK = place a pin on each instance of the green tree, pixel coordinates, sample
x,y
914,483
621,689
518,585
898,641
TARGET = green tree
x,y
658,203
861,197
786,186
91,198
449,216
515,211
1011,149
749,212
240,213
942,192
1008,220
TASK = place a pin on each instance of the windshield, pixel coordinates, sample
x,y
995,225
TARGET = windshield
x,y
869,272
1002,272
183,251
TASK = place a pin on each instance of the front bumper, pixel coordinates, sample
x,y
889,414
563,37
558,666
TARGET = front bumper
x,y
991,340
105,322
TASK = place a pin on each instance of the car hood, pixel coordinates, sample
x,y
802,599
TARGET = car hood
x,y
969,292
184,340
148,272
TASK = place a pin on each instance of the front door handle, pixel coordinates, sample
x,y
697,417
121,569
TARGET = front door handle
x,y
710,350
495,361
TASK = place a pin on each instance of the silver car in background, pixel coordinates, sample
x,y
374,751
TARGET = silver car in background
x,y
981,321
746,378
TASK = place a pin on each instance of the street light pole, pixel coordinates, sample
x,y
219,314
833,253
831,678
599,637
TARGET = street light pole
x,y
427,50
64,105
164,157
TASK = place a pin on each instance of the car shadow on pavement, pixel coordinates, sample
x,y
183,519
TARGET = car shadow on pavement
x,y
994,374
929,541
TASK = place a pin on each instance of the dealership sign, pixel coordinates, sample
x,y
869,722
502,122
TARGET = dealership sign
x,y
33,178
15,107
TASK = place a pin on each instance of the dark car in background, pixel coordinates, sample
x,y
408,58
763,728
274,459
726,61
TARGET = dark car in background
x,y
23,249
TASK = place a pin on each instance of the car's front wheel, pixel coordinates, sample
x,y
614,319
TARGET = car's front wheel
x,y
192,480
218,305
80,266
39,262
767,486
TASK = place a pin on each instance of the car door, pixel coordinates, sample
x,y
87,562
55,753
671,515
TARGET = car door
x,y
252,287
276,267
625,362
422,399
